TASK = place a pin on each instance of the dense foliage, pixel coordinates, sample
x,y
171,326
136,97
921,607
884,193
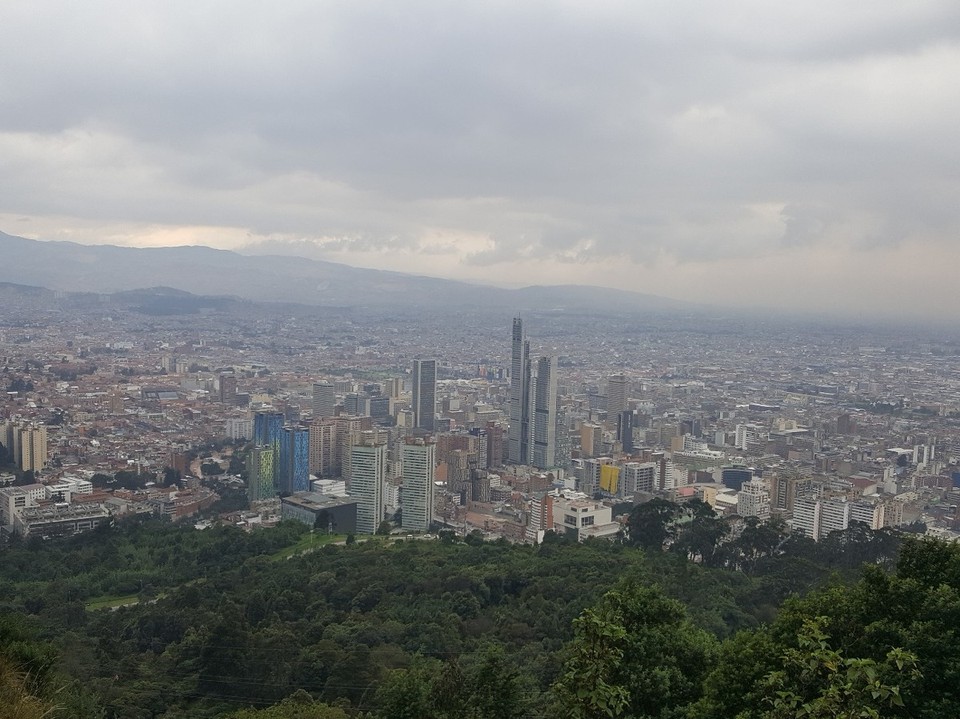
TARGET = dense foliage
x,y
220,623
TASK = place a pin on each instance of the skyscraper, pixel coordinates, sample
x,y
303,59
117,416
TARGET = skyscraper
x,y
267,427
368,462
324,400
545,414
494,444
617,395
267,434
424,394
33,448
625,431
518,439
228,388
260,475
294,471
323,442
418,459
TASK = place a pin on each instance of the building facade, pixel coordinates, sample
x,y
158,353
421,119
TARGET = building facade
x,y
425,394
368,462
418,464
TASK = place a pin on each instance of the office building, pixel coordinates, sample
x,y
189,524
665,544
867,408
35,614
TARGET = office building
x,y
753,499
368,462
625,431
518,438
337,515
228,389
494,445
617,395
579,517
734,476
482,447
267,427
424,394
591,439
324,400
545,414
294,474
260,474
349,430
323,445
640,477
239,429
418,464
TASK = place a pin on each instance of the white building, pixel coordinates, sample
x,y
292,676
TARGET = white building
x,y
753,499
239,428
748,434
368,462
13,499
576,515
67,487
640,477
418,465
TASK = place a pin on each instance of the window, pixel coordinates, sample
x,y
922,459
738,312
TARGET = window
x,y
570,519
586,521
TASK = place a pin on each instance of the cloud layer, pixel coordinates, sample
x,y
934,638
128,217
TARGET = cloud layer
x,y
745,152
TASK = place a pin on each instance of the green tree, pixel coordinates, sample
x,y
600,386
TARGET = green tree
x,y
635,654
818,682
299,705
650,525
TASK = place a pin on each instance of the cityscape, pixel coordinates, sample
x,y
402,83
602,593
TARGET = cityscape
x,y
422,360
484,426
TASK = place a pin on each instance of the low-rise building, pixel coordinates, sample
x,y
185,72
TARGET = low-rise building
x,y
333,514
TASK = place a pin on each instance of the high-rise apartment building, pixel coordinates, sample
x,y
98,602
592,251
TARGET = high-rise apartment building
x,y
545,414
349,431
267,436
294,474
494,445
368,462
260,474
323,443
425,394
418,461
324,400
26,443
33,448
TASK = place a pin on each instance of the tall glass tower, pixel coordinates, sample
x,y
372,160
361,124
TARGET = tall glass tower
x,y
424,394
518,439
294,460
545,414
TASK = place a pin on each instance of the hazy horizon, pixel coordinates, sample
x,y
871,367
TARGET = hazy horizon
x,y
746,155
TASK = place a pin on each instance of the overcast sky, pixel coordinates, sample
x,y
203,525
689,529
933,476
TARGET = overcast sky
x,y
802,154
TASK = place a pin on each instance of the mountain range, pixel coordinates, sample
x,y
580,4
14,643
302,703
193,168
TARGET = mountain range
x,y
108,269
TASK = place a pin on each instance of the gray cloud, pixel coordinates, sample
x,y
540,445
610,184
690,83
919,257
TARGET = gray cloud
x,y
491,132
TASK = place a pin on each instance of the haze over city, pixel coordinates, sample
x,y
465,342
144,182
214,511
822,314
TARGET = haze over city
x,y
749,154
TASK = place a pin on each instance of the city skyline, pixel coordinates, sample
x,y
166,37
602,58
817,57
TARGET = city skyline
x,y
746,155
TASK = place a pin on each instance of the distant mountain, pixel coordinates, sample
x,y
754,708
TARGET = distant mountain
x,y
203,271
